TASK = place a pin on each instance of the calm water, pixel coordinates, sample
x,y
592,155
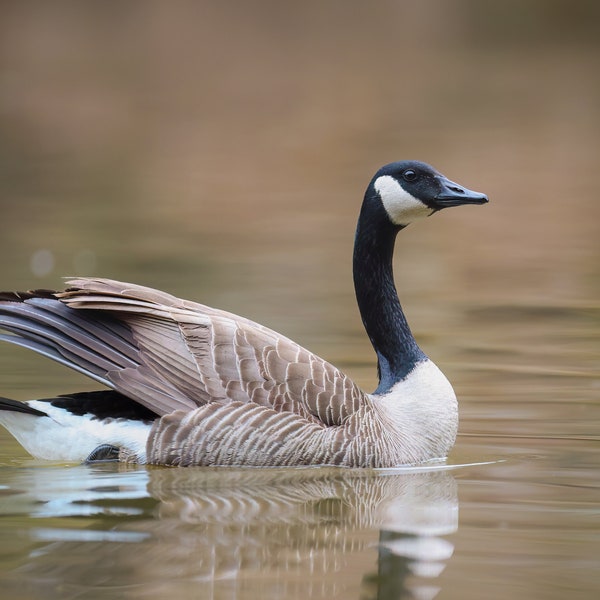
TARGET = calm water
x,y
221,153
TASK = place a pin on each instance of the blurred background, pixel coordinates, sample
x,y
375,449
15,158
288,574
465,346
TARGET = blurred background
x,y
220,151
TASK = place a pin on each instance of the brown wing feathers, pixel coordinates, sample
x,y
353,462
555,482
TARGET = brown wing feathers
x,y
235,359
170,354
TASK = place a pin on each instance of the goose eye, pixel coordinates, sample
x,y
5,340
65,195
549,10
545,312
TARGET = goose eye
x,y
409,175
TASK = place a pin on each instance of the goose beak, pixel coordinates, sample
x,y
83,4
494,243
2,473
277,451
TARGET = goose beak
x,y
452,194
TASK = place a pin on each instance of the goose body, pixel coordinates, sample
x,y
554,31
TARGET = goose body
x,y
193,385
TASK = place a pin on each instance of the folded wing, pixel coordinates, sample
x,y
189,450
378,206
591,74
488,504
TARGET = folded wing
x,y
170,354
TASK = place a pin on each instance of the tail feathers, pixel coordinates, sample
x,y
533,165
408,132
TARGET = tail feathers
x,y
74,338
20,407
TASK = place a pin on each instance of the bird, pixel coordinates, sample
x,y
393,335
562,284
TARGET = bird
x,y
190,385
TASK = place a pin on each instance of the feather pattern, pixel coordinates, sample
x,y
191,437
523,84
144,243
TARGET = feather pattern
x,y
206,355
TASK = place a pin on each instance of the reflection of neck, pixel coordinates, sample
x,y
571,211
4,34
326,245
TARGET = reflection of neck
x,y
380,309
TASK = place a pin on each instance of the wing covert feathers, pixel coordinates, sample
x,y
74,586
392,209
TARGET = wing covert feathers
x,y
209,355
174,355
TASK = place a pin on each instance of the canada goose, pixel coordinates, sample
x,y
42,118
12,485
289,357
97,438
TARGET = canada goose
x,y
193,385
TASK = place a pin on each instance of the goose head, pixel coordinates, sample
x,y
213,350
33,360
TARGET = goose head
x,y
410,190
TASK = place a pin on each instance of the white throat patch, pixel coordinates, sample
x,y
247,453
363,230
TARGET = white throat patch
x,y
402,207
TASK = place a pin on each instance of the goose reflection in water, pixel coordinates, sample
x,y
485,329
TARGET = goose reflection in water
x,y
282,533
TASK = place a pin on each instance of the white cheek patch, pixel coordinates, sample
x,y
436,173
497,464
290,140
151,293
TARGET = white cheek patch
x,y
401,207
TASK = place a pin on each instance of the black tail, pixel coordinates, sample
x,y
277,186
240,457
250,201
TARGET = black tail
x,y
101,404
15,406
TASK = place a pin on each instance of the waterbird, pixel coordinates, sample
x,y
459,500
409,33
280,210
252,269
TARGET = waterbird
x,y
194,385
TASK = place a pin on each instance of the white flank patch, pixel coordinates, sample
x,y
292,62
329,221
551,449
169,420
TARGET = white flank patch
x,y
67,437
403,208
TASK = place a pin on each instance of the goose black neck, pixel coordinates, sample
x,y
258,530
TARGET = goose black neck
x,y
380,309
